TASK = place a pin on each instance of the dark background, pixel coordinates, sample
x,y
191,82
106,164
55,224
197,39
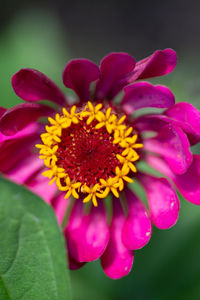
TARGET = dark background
x,y
93,28
45,35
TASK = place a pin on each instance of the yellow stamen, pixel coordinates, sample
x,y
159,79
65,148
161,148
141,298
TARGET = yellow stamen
x,y
92,194
111,184
120,135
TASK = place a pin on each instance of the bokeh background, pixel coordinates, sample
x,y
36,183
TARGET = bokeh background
x,y
44,35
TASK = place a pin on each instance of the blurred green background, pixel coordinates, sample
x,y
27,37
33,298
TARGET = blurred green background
x,y
45,35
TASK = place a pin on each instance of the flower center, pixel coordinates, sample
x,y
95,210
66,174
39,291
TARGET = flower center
x,y
88,154
89,151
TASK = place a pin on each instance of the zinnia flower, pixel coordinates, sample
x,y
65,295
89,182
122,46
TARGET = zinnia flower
x,y
93,147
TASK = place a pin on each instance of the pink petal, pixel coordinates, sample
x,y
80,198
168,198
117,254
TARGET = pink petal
x,y
40,185
144,94
137,229
160,165
182,115
172,143
117,260
73,264
25,168
189,118
163,201
60,206
87,235
2,111
32,85
29,130
188,183
17,117
12,151
161,62
154,122
78,75
113,68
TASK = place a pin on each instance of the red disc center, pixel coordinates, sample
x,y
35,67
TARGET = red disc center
x,y
88,154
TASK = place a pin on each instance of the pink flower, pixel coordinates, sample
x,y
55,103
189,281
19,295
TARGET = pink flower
x,y
96,146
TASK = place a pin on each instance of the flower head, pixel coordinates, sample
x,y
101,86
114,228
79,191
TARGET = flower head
x,y
83,154
92,151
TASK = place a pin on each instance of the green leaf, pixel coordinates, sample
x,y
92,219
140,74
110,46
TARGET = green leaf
x,y
32,251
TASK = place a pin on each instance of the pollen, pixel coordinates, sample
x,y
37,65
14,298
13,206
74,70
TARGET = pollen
x,y
89,151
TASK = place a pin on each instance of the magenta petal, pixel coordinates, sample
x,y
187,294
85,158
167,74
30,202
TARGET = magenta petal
x,y
160,165
188,183
2,110
172,143
113,68
163,201
73,264
144,94
17,117
117,260
31,129
32,85
137,228
189,118
40,185
25,168
21,146
60,205
153,122
88,237
78,75
188,121
161,62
